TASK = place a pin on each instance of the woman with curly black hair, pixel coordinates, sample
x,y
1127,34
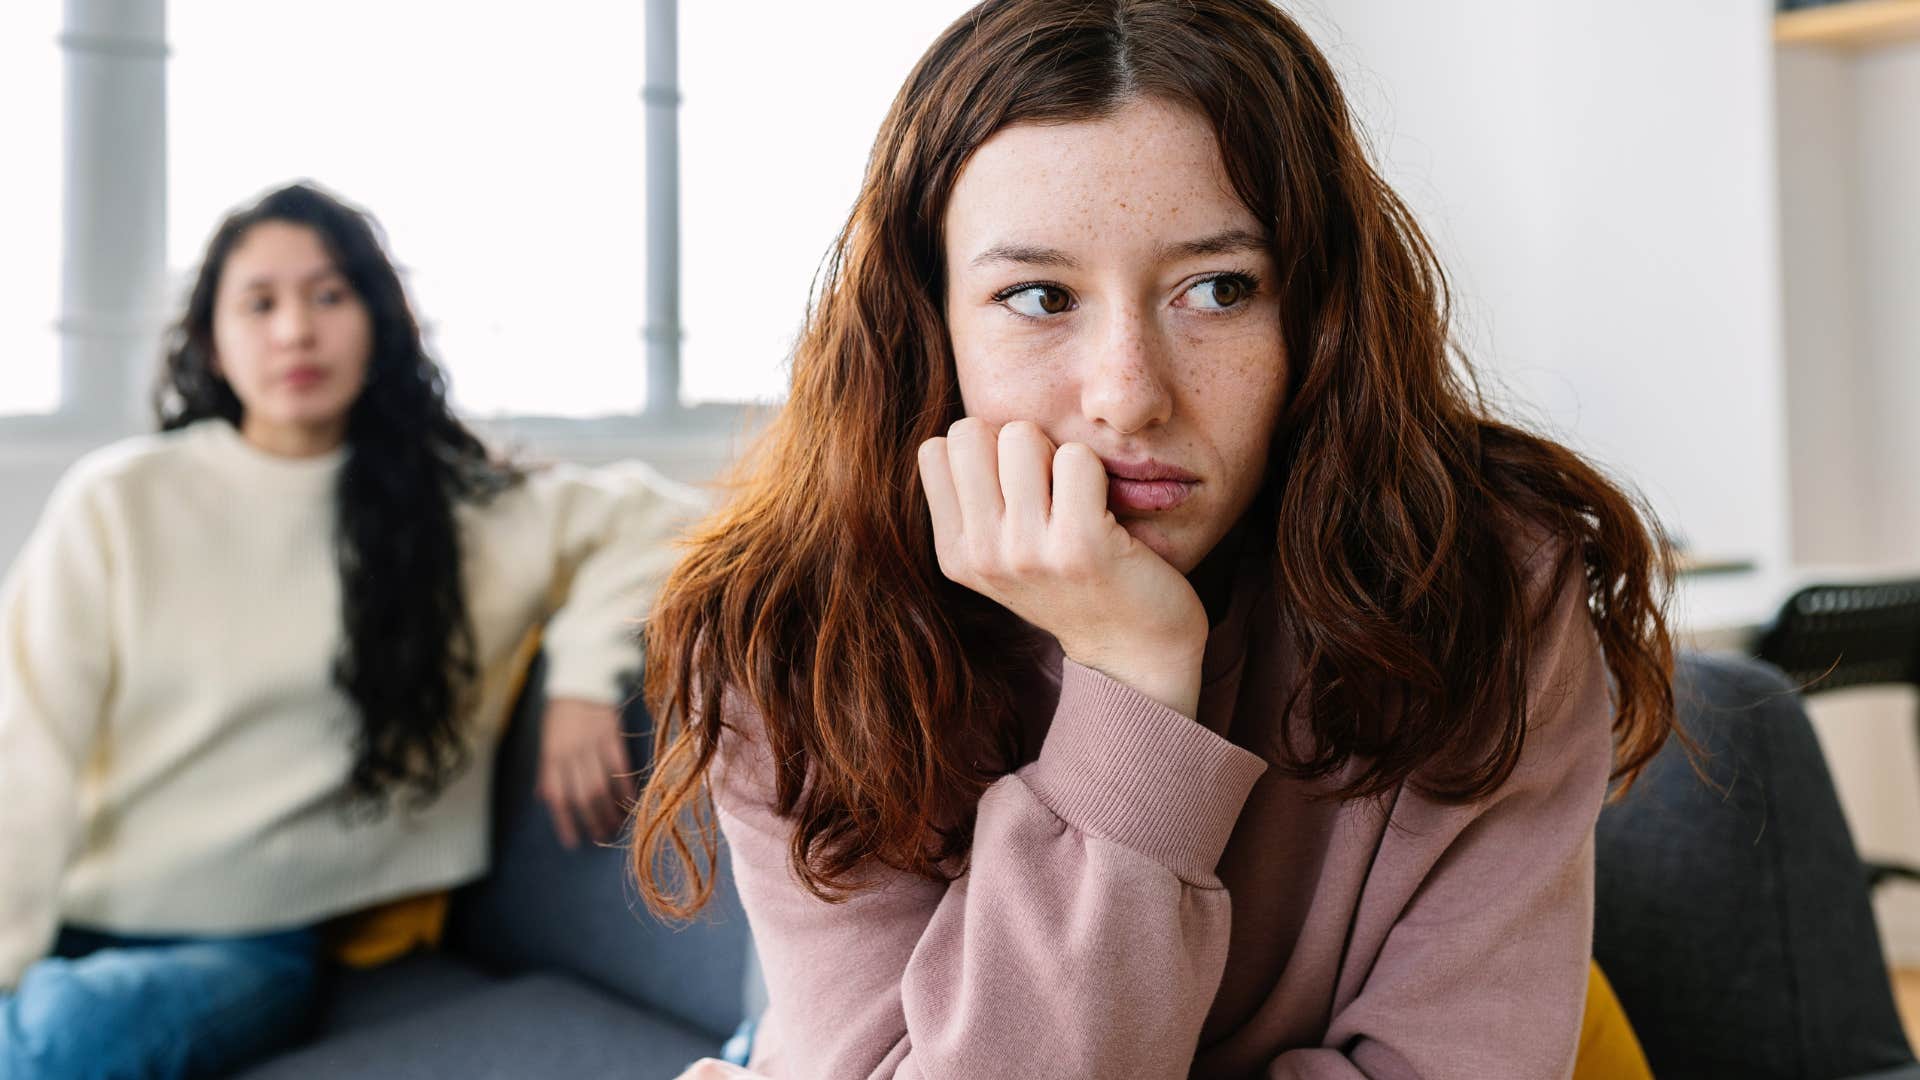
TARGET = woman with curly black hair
x,y
253,668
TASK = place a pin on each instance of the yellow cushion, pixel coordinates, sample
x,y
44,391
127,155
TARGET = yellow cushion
x,y
386,933
1608,1048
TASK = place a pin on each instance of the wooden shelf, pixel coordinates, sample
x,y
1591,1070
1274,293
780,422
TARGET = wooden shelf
x,y
1854,24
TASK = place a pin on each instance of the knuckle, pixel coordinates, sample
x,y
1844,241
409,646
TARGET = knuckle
x,y
1070,560
979,554
1024,562
953,563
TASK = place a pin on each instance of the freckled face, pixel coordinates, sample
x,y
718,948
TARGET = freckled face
x,y
1104,282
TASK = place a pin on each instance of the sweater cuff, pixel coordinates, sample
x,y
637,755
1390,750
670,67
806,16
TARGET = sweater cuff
x,y
600,672
1121,766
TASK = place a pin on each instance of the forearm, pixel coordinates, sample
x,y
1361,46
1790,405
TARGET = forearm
x,y
1089,929
613,533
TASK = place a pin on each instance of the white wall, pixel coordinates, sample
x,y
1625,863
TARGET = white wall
x,y
1849,167
1887,100
1598,177
1819,244
1850,243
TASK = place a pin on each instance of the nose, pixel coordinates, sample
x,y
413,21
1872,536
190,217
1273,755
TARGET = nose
x,y
1126,385
292,324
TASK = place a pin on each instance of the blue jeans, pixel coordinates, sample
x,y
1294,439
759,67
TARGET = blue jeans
x,y
739,1048
123,1007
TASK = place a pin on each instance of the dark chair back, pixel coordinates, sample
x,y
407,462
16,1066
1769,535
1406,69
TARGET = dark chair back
x,y
543,907
1828,637
1732,917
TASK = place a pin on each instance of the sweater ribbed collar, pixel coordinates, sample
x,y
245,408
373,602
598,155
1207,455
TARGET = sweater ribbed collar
x,y
224,443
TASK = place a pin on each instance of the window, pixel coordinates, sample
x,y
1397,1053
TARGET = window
x,y
774,136
499,145
30,208
502,147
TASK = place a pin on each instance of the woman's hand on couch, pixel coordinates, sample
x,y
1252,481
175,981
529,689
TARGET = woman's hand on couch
x,y
585,778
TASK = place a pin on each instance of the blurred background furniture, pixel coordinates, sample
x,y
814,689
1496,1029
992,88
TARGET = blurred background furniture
x,y
1732,917
1828,637
1836,636
544,971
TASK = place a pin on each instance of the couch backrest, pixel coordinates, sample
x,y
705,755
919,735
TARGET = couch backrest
x,y
544,907
1734,923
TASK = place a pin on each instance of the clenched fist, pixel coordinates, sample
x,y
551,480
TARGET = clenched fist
x,y
1026,525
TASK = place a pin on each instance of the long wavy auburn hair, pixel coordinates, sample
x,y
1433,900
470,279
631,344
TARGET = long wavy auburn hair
x,y
1393,493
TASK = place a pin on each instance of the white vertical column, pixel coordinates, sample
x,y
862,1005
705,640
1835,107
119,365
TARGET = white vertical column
x,y
662,97
113,274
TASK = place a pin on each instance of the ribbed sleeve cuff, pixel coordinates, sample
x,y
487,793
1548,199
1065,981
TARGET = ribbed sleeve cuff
x,y
596,672
1121,766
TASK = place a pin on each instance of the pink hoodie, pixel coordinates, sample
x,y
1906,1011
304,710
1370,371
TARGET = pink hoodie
x,y
1147,898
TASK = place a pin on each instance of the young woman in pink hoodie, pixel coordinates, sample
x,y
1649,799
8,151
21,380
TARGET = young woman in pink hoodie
x,y
1136,650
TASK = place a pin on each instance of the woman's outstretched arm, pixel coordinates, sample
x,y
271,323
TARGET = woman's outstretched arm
x,y
608,539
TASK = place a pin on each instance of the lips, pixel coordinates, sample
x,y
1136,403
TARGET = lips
x,y
1146,486
304,376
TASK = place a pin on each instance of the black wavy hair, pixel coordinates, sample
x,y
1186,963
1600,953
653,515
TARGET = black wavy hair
x,y
406,659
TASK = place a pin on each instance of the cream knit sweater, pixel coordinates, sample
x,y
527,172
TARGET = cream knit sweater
x,y
172,746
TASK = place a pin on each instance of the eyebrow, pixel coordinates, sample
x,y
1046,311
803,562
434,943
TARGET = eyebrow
x,y
261,281
1025,255
1227,242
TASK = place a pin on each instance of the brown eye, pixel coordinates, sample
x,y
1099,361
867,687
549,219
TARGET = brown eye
x,y
1220,293
1038,301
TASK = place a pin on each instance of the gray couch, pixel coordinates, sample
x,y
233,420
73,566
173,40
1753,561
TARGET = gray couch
x,y
550,968
1734,925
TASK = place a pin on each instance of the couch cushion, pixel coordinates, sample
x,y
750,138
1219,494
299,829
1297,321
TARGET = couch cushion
x,y
1734,923
357,998
543,907
1608,1049
533,1026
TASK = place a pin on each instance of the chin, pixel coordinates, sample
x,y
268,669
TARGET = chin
x,y
316,413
